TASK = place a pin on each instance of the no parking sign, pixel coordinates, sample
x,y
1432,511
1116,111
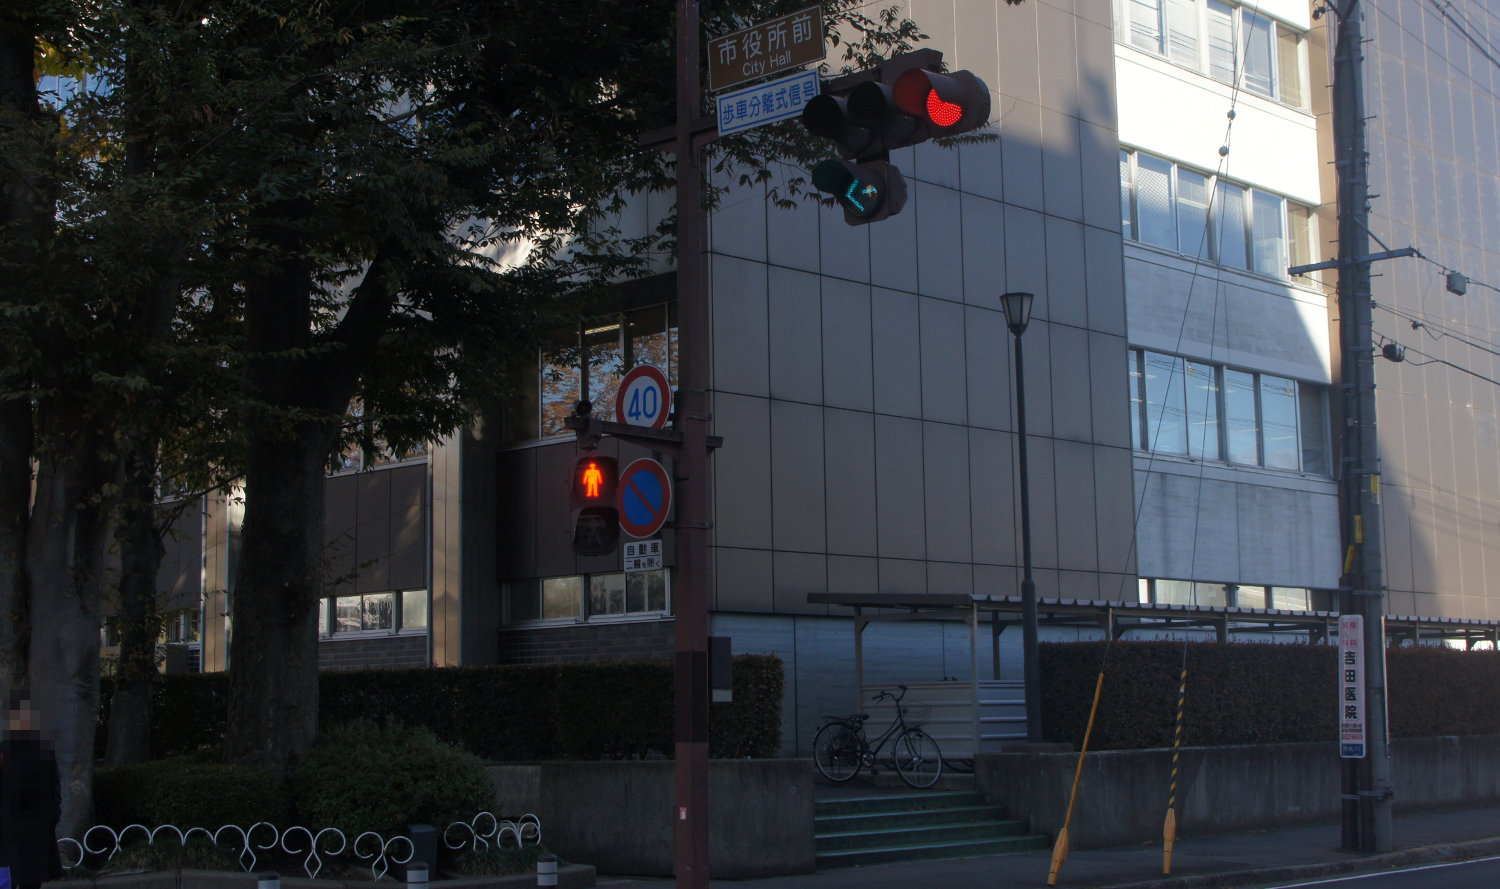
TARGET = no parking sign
x,y
644,496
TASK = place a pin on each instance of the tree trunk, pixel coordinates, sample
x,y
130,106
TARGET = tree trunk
x,y
15,500
273,652
25,217
64,557
273,647
141,552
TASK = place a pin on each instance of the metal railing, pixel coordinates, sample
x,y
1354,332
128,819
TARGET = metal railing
x,y
477,834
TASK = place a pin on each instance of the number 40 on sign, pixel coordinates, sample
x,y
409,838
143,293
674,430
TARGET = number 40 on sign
x,y
644,398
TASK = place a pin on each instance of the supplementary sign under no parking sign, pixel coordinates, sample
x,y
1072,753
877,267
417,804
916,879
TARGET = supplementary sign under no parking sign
x,y
644,497
642,555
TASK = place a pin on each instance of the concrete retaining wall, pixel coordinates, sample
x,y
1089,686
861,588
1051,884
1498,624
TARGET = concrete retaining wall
x,y
616,816
1122,796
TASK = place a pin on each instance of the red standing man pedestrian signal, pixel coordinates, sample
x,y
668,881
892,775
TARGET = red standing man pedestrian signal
x,y
594,517
593,480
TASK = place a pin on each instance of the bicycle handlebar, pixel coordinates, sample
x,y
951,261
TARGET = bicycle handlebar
x,y
886,694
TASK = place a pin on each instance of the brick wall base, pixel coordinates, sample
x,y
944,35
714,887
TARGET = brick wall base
x,y
587,642
373,653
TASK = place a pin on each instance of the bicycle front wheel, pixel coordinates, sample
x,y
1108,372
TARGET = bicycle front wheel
x,y
836,751
918,761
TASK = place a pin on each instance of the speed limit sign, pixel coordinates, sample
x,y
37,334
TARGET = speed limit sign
x,y
644,398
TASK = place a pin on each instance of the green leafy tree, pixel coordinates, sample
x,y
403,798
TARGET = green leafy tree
x,y
263,210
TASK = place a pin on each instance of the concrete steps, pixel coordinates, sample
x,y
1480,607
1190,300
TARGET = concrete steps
x,y
885,826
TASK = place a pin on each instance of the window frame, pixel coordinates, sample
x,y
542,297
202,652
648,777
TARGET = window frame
x,y
584,613
1149,591
1142,430
1169,43
1295,222
328,615
564,378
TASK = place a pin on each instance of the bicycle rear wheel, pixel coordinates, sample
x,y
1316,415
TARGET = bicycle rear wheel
x,y
918,761
836,752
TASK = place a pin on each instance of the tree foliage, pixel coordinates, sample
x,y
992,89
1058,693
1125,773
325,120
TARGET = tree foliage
x,y
227,220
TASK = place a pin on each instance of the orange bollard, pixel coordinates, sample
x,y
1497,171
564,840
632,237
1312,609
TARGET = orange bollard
x,y
1060,849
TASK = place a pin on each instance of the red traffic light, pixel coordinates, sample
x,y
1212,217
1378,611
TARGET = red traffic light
x,y
952,103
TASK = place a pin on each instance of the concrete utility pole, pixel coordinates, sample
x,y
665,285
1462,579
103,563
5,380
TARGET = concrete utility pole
x,y
690,818
1366,781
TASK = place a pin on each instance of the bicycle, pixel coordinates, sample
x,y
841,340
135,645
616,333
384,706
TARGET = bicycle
x,y
841,748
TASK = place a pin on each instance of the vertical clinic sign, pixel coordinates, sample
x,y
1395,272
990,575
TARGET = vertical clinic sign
x,y
1351,686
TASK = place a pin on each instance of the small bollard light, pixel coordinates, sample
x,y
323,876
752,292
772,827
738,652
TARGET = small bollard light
x,y
269,880
546,869
416,875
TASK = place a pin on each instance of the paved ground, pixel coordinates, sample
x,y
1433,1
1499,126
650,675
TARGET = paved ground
x,y
1262,858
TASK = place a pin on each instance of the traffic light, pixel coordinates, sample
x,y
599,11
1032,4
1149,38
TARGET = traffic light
x,y
904,105
866,192
595,515
948,104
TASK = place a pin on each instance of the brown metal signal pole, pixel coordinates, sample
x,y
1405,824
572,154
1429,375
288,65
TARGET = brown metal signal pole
x,y
690,818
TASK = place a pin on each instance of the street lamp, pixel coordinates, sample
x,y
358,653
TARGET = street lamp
x,y
1017,308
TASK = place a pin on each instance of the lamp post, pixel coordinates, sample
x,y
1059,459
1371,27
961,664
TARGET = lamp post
x,y
1017,308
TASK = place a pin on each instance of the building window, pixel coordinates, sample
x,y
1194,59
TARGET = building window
x,y
1209,412
1168,205
590,597
384,613
1163,591
363,447
612,344
182,626
1231,44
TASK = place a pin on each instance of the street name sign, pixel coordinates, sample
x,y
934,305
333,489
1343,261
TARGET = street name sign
x,y
770,47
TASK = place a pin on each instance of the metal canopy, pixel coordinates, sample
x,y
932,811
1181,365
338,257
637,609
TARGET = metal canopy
x,y
1119,618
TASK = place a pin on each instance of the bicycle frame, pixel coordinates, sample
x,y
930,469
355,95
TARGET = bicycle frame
x,y
897,726
842,747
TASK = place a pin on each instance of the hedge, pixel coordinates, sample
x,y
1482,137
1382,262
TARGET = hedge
x,y
1240,693
187,792
506,713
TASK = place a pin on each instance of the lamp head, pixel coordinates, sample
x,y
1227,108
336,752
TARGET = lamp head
x,y
1017,306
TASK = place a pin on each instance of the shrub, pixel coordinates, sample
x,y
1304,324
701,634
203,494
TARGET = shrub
x,y
615,709
1240,693
364,776
750,726
501,713
188,793
511,712
1237,693
1441,691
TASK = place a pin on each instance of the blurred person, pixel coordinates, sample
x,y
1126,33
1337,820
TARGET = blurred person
x,y
30,797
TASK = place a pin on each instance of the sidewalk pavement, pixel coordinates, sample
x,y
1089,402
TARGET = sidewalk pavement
x,y
1257,859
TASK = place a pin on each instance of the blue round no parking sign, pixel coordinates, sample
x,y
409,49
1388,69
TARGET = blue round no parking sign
x,y
644,496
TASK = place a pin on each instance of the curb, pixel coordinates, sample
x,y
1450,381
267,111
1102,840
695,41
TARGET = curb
x,y
571,876
1365,864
